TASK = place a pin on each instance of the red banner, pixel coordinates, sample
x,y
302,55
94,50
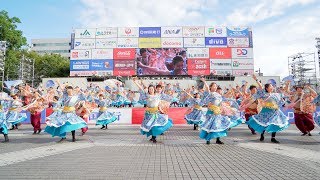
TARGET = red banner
x,y
176,114
220,53
124,53
124,72
198,72
124,64
198,64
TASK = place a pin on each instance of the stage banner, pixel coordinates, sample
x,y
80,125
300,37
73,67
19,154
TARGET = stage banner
x,y
135,115
124,115
176,114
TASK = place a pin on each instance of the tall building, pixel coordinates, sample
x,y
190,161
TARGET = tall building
x,y
52,46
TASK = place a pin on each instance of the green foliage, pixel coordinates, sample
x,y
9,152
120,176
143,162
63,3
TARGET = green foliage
x,y
48,65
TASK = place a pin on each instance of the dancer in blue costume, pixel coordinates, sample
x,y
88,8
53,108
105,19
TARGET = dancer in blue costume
x,y
270,118
155,121
216,124
230,107
4,125
66,120
14,115
196,116
317,118
104,117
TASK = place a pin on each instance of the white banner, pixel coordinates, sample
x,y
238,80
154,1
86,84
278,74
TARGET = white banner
x,y
128,43
242,72
198,53
172,42
193,42
124,115
221,71
238,42
246,53
128,32
109,32
171,31
215,31
84,44
80,54
85,33
102,53
106,43
194,31
242,64
91,73
220,64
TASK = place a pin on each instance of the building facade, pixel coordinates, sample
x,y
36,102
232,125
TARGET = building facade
x,y
52,46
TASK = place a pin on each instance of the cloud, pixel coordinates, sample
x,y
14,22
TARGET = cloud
x,y
96,13
275,42
262,10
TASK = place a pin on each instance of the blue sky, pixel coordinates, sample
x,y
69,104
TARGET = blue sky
x,y
280,27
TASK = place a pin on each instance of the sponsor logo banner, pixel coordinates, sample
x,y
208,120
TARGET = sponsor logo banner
x,y
198,64
106,43
220,64
128,43
80,54
102,53
250,39
128,32
124,64
193,42
238,31
84,44
242,72
242,64
150,32
91,73
216,41
79,65
220,53
194,31
85,33
101,65
124,53
171,31
149,43
108,32
221,72
124,72
172,42
238,42
246,53
212,31
195,72
196,53
80,73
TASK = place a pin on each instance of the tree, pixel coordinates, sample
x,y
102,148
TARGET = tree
x,y
15,40
49,65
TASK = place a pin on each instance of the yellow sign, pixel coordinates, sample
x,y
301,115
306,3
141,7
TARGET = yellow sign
x,y
149,43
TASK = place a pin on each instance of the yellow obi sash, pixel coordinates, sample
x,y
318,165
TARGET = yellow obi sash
x,y
198,107
1,106
270,105
102,109
152,110
12,109
215,109
67,109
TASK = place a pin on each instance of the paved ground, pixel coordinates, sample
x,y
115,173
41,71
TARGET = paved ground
x,y
122,153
